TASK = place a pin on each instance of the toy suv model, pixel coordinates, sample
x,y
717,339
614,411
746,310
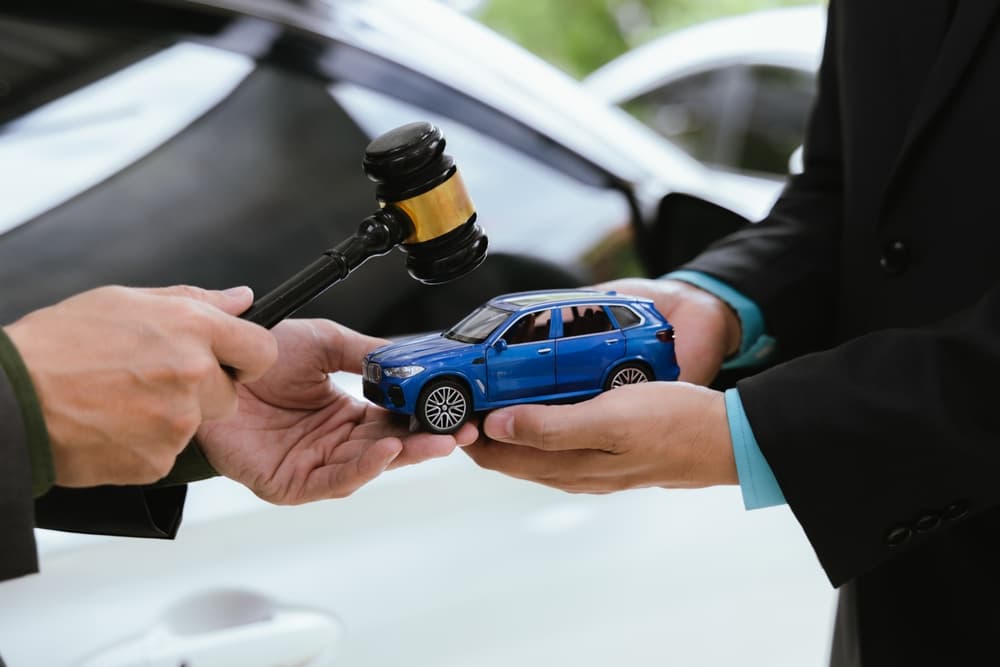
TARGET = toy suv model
x,y
528,347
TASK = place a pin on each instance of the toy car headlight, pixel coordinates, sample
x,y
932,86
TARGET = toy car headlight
x,y
402,372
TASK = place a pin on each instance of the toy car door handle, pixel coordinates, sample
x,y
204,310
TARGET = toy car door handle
x,y
545,350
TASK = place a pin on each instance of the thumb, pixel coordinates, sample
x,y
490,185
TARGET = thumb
x,y
548,427
232,301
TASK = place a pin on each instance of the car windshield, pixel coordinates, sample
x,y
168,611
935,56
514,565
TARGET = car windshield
x,y
478,326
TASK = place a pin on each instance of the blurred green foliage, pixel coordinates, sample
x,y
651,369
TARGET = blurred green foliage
x,y
581,35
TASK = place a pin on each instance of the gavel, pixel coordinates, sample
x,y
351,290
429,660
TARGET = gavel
x,y
424,209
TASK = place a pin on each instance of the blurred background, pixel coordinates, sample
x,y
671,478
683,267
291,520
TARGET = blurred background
x,y
581,36
219,142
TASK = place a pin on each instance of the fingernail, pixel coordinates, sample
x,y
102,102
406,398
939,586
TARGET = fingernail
x,y
237,292
499,425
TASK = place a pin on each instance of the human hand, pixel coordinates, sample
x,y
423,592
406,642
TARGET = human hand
x,y
298,438
668,434
125,376
707,329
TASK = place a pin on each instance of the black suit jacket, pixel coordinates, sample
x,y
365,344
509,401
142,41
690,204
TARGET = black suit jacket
x,y
878,271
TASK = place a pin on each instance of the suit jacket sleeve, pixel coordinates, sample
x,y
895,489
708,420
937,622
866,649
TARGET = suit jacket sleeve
x,y
887,440
884,441
786,264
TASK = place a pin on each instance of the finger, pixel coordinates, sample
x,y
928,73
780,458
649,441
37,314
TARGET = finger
x,y
424,447
217,396
232,301
247,348
339,480
344,348
548,427
466,435
567,470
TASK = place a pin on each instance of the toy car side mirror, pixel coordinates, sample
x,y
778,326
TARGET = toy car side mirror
x,y
500,345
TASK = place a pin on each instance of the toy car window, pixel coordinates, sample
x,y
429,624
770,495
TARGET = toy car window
x,y
625,316
478,326
583,320
531,328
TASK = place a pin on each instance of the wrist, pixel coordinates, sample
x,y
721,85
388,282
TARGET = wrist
x,y
717,444
726,318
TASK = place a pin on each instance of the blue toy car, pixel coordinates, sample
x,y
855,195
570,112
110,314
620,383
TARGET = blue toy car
x,y
528,347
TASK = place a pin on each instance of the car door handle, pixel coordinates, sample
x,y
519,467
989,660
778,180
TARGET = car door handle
x,y
611,341
544,350
228,627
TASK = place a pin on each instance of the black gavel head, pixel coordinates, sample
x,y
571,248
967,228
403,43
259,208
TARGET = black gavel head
x,y
413,175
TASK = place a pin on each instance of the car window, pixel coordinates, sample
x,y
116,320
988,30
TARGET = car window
x,y
478,326
626,317
750,118
583,320
531,328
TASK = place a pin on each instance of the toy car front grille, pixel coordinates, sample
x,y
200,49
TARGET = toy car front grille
x,y
372,372
373,392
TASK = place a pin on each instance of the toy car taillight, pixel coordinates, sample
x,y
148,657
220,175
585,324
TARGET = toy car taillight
x,y
665,335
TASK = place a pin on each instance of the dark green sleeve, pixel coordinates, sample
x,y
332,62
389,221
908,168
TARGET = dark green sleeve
x,y
17,514
139,511
35,433
190,466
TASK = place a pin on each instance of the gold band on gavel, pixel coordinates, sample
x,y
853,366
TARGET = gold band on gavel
x,y
437,211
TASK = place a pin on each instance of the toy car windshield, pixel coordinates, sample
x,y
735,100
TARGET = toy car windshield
x,y
477,327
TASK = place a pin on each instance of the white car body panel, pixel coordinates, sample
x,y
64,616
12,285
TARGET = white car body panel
x,y
790,38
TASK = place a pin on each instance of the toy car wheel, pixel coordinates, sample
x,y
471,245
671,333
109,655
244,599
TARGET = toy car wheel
x,y
443,406
632,373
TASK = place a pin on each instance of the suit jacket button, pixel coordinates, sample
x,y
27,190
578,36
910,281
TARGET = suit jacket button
x,y
896,536
956,511
927,523
895,257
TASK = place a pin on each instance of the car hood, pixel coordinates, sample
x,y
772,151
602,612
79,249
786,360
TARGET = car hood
x,y
417,349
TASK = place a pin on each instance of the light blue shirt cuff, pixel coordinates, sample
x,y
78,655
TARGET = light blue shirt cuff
x,y
755,346
757,482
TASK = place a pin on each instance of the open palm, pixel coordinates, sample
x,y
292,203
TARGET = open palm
x,y
297,437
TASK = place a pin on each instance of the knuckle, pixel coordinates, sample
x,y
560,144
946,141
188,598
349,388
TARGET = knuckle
x,y
152,466
181,425
193,369
550,431
162,463
190,314
111,291
189,292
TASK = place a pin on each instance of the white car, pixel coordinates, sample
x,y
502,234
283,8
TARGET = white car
x,y
734,92
440,564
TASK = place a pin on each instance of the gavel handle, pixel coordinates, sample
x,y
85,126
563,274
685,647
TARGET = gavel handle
x,y
298,290
378,234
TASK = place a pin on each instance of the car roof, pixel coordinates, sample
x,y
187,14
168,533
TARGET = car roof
x,y
791,37
544,298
